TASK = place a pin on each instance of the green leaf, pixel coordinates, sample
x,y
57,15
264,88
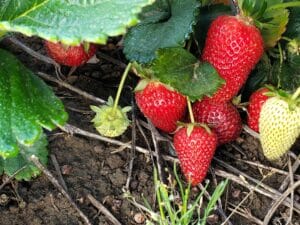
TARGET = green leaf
x,y
293,27
27,105
207,15
285,76
70,21
12,165
1,166
182,71
161,26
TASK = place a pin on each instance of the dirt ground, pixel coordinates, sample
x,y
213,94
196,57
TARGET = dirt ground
x,y
89,166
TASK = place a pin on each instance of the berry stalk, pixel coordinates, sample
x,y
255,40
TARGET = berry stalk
x,y
189,104
124,75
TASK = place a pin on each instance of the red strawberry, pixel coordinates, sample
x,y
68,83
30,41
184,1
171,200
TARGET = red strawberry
x,y
164,107
195,152
256,101
70,55
233,46
222,117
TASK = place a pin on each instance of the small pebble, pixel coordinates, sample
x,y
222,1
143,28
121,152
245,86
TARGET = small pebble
x,y
139,218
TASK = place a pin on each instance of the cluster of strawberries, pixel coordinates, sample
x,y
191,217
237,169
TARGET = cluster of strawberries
x,y
233,46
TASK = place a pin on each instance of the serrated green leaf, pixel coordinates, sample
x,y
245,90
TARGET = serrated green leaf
x,y
182,71
27,105
39,149
70,21
162,26
206,16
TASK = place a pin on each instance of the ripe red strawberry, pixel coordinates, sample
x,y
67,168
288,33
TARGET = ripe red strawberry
x,y
70,55
256,101
195,152
222,117
164,107
233,46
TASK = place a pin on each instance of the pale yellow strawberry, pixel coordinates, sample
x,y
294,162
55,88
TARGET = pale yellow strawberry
x,y
279,126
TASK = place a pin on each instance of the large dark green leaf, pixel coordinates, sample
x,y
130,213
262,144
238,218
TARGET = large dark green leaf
x,y
293,28
71,21
22,161
27,105
162,25
182,71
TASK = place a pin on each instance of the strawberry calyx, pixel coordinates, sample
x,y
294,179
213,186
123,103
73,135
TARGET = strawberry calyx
x,y
142,84
191,126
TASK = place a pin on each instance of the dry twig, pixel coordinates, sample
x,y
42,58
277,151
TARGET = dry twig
x,y
58,171
103,210
55,182
11,178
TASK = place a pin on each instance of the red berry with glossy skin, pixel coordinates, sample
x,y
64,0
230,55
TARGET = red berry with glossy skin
x,y
222,117
164,107
195,152
233,46
256,101
69,55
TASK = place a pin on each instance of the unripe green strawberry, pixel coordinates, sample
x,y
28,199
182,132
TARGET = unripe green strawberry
x,y
195,152
279,126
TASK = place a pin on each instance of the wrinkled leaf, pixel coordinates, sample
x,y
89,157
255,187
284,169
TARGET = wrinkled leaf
x,y
182,71
27,105
161,26
22,161
70,21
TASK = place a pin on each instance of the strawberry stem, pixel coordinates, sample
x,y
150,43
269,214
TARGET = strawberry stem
x,y
283,5
190,110
121,86
296,94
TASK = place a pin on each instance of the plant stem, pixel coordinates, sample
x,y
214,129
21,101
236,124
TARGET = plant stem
x,y
284,5
286,38
190,110
296,94
121,86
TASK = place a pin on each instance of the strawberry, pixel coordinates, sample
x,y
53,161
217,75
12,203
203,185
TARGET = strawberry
x,y
279,124
257,99
162,105
233,46
70,55
223,118
195,152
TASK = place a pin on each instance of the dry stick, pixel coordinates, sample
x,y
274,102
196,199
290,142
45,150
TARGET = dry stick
x,y
292,194
286,181
103,209
242,182
75,130
247,216
71,88
112,60
133,143
158,158
279,201
55,182
11,177
57,169
238,172
272,169
251,132
33,53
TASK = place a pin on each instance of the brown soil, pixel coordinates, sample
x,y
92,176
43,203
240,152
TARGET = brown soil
x,y
89,167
